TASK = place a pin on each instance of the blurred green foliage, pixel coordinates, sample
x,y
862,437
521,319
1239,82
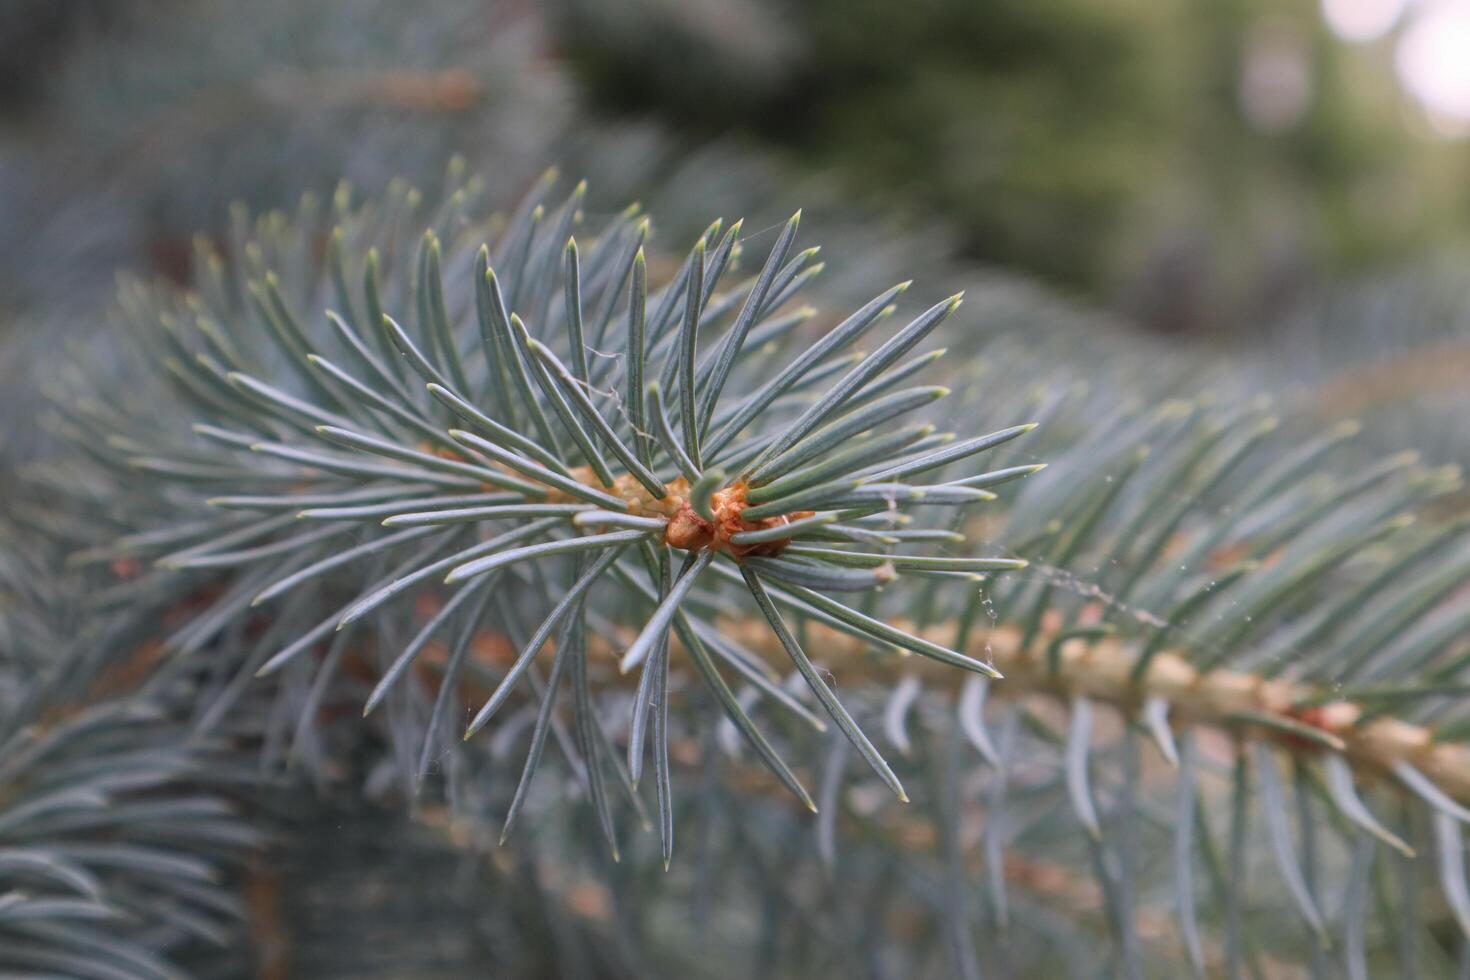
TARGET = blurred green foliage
x,y
1197,165
1193,166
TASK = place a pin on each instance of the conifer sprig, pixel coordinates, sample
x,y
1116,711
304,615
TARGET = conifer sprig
x,y
493,420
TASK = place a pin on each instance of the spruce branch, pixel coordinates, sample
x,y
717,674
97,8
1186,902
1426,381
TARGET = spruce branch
x,y
681,476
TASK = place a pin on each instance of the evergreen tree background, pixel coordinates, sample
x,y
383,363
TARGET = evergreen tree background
x,y
1231,735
